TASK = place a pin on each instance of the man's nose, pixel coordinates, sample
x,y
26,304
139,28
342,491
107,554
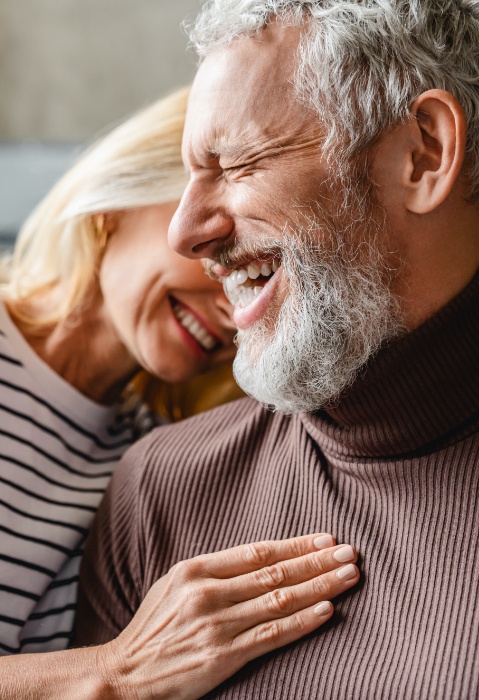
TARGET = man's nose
x,y
200,225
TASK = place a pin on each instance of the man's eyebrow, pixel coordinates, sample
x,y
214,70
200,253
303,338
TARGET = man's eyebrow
x,y
227,149
241,150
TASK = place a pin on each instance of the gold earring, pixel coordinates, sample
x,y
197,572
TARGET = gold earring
x,y
101,231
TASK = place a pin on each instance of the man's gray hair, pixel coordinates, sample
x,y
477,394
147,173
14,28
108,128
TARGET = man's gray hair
x,y
362,63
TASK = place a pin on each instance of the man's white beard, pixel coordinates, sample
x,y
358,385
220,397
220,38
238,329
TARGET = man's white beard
x,y
338,312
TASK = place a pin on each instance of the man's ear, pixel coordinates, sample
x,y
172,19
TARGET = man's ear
x,y
437,152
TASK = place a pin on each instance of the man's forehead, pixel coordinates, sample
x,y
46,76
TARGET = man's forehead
x,y
245,91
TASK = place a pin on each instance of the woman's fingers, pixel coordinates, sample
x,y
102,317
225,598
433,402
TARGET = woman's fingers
x,y
251,557
289,572
284,602
273,634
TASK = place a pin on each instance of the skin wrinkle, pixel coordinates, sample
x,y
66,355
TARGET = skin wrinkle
x,y
272,148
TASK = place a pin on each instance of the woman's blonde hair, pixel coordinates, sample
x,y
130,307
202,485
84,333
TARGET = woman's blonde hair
x,y
137,164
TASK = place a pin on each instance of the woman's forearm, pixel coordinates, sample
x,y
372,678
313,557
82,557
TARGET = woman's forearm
x,y
76,674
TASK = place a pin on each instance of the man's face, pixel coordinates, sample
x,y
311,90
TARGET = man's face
x,y
286,237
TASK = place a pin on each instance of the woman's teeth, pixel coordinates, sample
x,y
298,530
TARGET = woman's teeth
x,y
194,328
237,284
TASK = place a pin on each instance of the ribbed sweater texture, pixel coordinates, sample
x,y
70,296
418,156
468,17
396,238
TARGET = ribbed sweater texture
x,y
392,469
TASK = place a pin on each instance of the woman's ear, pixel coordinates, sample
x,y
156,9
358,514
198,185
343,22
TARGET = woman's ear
x,y
105,224
438,147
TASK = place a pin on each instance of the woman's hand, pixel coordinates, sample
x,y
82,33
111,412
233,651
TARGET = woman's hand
x,y
210,615
198,625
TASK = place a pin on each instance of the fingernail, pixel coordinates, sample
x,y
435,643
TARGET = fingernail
x,y
345,553
346,572
323,541
323,608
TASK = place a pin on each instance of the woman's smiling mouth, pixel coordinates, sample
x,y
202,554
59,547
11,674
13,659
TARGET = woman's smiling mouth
x,y
190,322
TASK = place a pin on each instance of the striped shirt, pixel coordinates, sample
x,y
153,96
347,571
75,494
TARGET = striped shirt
x,y
57,452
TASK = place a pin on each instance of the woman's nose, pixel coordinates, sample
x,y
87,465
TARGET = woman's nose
x,y
200,226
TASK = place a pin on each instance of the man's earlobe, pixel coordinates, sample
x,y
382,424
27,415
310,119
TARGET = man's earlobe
x,y
438,150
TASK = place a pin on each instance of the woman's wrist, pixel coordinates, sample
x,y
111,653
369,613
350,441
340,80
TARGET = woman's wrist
x,y
128,671
111,673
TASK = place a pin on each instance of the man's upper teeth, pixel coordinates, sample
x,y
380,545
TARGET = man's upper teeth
x,y
194,327
241,276
253,271
265,269
245,294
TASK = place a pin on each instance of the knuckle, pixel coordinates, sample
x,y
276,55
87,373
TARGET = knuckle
x,y
269,633
297,547
257,553
198,598
298,623
271,576
280,601
316,564
209,657
322,587
186,570
209,654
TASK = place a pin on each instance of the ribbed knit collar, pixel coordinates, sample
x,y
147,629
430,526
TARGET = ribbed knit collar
x,y
417,395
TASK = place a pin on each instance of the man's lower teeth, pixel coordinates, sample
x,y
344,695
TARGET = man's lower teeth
x,y
248,294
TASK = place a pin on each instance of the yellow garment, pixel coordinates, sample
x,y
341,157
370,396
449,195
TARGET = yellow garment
x,y
180,400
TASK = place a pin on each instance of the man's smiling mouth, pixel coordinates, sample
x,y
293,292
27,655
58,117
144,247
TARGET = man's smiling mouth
x,y
245,284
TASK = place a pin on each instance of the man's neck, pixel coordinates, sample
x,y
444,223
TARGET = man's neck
x,y
420,389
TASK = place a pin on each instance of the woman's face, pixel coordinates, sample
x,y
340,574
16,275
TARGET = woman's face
x,y
172,319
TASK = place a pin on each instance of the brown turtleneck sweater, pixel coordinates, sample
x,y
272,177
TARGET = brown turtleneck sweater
x,y
393,470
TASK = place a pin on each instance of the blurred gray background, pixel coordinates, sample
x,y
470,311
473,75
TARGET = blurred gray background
x,y
69,69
